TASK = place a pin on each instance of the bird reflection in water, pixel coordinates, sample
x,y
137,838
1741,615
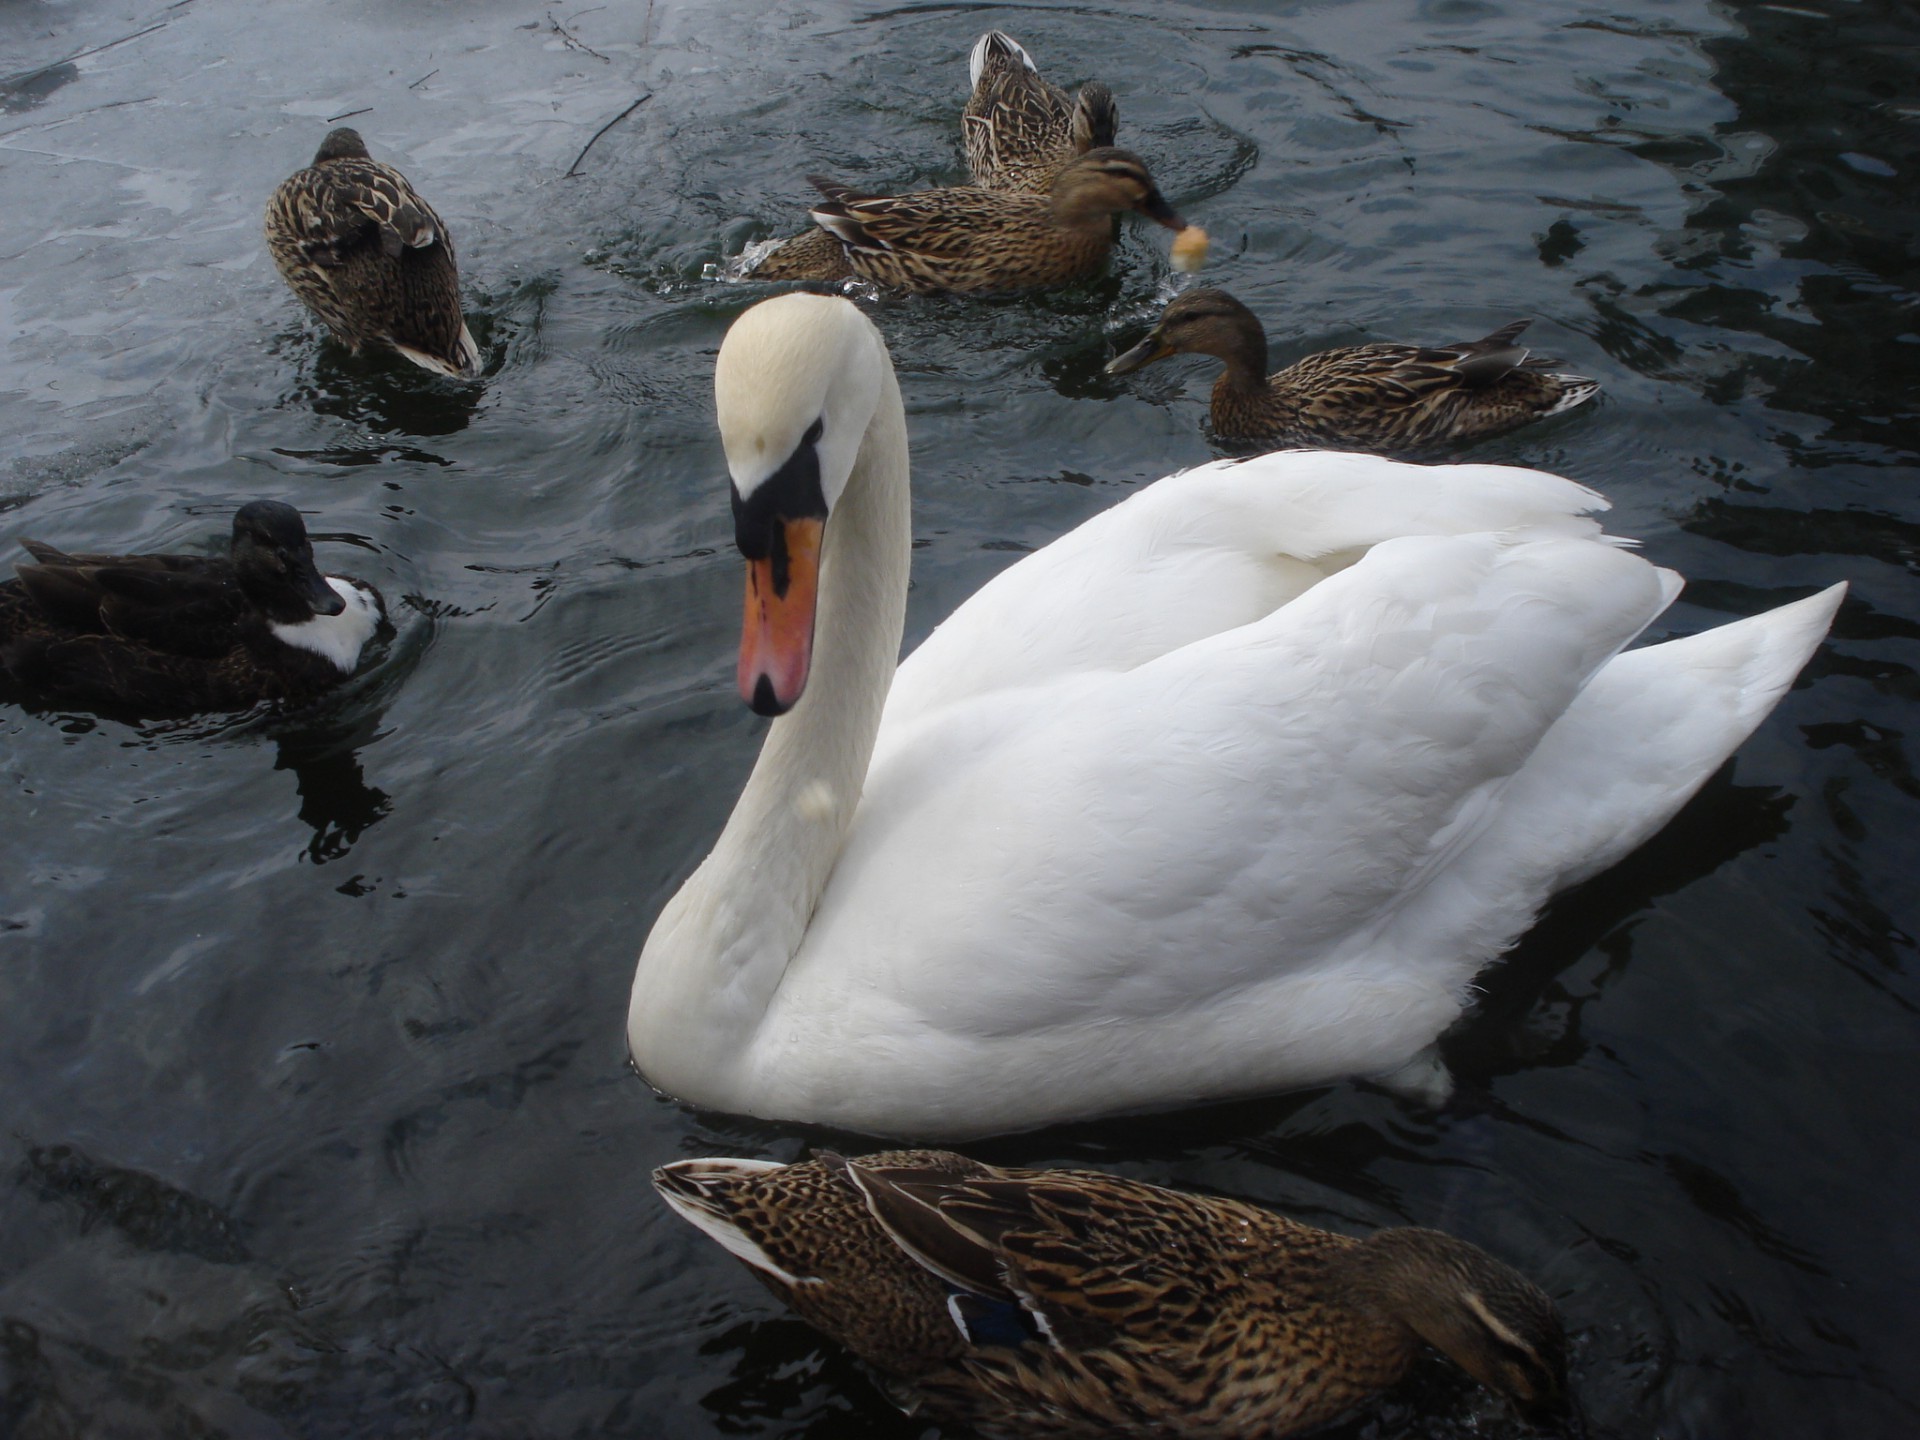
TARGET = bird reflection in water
x,y
335,798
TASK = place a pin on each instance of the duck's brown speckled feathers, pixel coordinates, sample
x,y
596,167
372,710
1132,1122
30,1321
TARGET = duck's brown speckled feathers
x,y
159,636
1072,1304
368,256
1395,399
1019,130
968,240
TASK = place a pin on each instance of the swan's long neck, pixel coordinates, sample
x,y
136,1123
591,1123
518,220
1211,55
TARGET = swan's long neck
x,y
718,952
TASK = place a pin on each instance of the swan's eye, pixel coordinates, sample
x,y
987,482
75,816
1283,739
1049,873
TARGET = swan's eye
x,y
790,493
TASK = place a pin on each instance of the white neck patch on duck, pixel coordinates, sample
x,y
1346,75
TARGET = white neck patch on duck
x,y
341,637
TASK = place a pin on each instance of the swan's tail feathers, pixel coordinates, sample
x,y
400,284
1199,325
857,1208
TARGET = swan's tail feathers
x,y
1647,732
995,48
1425,1079
718,1198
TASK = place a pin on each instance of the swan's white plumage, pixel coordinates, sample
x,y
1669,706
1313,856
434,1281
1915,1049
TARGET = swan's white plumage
x,y
1232,788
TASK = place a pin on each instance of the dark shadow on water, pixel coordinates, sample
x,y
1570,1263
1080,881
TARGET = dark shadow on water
x,y
786,1374
336,801
146,1211
379,392
30,88
1527,1017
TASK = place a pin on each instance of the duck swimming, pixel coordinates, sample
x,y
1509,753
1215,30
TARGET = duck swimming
x,y
1073,1305
1402,399
1019,130
968,240
370,258
1233,788
160,636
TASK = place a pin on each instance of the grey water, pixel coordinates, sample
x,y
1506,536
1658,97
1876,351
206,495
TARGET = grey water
x,y
317,1116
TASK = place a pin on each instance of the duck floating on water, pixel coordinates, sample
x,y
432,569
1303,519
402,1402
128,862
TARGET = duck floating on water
x,y
1018,129
160,636
1073,1305
1402,399
370,258
968,240
1018,132
1232,789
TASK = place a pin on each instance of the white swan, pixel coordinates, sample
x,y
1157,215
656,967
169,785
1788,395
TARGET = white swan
x,y
1231,789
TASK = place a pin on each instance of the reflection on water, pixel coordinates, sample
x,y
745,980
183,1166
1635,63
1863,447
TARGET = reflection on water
x,y
311,1033
335,798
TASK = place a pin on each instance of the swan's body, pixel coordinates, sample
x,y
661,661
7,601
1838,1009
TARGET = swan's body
x,y
1233,788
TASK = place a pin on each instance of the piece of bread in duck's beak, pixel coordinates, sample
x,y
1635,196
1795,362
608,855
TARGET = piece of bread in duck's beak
x,y
1190,249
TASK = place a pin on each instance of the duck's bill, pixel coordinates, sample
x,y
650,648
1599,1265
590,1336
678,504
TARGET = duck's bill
x,y
776,641
1145,353
322,598
1156,209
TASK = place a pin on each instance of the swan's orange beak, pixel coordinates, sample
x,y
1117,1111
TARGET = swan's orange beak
x,y
776,642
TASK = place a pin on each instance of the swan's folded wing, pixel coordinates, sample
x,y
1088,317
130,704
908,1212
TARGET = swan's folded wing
x,y
1173,880
1205,552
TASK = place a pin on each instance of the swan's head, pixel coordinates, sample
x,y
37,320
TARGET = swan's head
x,y
797,383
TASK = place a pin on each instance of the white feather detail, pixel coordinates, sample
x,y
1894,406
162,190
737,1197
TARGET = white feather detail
x,y
722,1231
339,638
977,58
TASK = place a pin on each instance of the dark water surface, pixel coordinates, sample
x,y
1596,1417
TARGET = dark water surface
x,y
317,1114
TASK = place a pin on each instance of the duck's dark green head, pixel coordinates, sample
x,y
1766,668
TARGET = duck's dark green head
x,y
1201,322
1484,1315
342,144
273,563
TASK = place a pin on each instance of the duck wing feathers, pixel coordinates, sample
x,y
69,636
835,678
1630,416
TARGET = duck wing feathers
x,y
1091,1257
183,605
349,204
939,225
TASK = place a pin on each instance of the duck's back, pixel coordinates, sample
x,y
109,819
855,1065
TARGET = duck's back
x,y
149,636
372,259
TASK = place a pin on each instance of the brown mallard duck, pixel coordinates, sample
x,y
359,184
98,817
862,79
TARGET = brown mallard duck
x,y
1068,1303
1401,399
370,258
1019,130
969,240
170,635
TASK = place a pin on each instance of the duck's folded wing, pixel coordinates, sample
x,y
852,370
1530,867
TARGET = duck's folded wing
x,y
1202,553
1090,1257
357,205
179,613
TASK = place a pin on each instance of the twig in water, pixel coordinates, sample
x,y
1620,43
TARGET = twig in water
x,y
573,42
27,75
348,115
603,130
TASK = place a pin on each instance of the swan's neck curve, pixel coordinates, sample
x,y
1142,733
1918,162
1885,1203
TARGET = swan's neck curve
x,y
719,950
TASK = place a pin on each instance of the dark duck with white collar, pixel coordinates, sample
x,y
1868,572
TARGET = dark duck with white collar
x,y
160,636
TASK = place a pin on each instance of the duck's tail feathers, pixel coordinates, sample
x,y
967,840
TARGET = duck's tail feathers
x,y
1574,390
1096,117
462,364
996,46
714,1196
833,216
